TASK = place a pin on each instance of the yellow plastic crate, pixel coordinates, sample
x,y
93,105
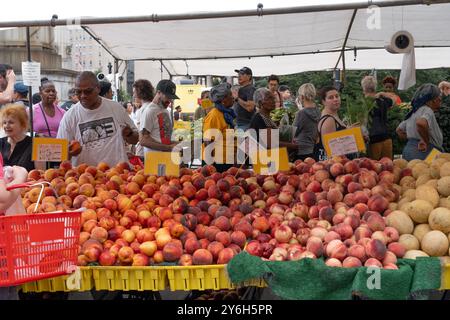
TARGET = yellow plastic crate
x,y
129,278
81,282
446,278
211,277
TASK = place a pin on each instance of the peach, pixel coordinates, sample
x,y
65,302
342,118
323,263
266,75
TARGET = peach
x,y
334,196
336,249
245,227
145,235
376,222
397,248
162,240
224,238
389,258
315,245
375,249
358,252
361,208
172,252
223,223
140,260
330,236
107,223
124,203
332,262
336,169
86,178
321,175
158,257
125,255
326,213
353,221
176,230
106,258
319,232
372,262
225,256
204,243
238,238
202,257
351,262
380,235
89,225
211,232
360,197
185,260
191,245
378,203
128,236
353,187
362,232
283,234
314,186
215,247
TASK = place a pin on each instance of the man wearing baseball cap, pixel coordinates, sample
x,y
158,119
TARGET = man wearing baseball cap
x,y
20,95
156,125
244,106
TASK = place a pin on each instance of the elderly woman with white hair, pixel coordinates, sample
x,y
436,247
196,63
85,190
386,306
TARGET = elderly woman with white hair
x,y
420,126
262,122
220,118
380,142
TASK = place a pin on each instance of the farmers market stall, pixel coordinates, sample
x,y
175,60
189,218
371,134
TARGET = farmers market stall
x,y
319,222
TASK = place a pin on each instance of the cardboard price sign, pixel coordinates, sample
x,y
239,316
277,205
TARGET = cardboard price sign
x,y
432,155
271,161
344,142
162,163
185,125
50,149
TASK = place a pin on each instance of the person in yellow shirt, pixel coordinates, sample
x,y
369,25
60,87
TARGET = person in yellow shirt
x,y
216,127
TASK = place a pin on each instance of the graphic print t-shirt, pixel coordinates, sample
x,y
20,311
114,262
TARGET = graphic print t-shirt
x,y
99,132
156,120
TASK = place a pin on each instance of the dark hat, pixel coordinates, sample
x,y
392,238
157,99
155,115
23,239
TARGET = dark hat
x,y
168,88
20,88
244,70
178,107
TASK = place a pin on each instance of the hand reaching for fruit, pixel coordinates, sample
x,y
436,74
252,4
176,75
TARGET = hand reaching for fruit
x,y
74,148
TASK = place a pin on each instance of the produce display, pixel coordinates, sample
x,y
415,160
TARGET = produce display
x,y
350,213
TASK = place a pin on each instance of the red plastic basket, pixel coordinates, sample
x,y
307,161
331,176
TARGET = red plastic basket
x,y
38,246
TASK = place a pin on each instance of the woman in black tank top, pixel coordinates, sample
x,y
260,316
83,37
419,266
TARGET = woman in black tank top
x,y
329,122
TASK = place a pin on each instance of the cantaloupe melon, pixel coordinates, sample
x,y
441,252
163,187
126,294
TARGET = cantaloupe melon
x,y
439,219
435,244
429,194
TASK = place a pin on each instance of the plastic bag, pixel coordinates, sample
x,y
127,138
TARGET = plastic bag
x,y
287,131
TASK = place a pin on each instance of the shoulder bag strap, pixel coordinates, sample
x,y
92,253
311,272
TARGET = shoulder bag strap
x,y
45,118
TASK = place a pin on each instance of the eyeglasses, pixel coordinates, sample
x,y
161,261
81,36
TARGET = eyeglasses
x,y
86,92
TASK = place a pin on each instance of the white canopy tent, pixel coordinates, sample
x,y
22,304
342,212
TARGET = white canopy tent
x,y
283,43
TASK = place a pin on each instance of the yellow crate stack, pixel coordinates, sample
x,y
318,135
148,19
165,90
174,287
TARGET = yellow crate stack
x,y
129,278
62,283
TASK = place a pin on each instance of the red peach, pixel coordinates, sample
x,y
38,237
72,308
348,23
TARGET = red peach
x,y
397,248
375,249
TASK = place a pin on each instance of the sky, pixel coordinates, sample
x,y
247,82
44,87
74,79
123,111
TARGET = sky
x,y
44,9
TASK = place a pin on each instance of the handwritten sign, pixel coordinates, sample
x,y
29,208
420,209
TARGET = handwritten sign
x,y
432,155
31,73
344,142
50,149
162,163
185,125
271,161
206,103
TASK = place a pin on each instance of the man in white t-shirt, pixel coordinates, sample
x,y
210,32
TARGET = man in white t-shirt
x,y
101,126
156,125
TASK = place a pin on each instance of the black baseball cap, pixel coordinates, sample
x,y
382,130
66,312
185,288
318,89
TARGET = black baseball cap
x,y
244,70
168,88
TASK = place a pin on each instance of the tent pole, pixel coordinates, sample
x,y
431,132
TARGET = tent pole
x,y
342,55
116,71
30,89
223,14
